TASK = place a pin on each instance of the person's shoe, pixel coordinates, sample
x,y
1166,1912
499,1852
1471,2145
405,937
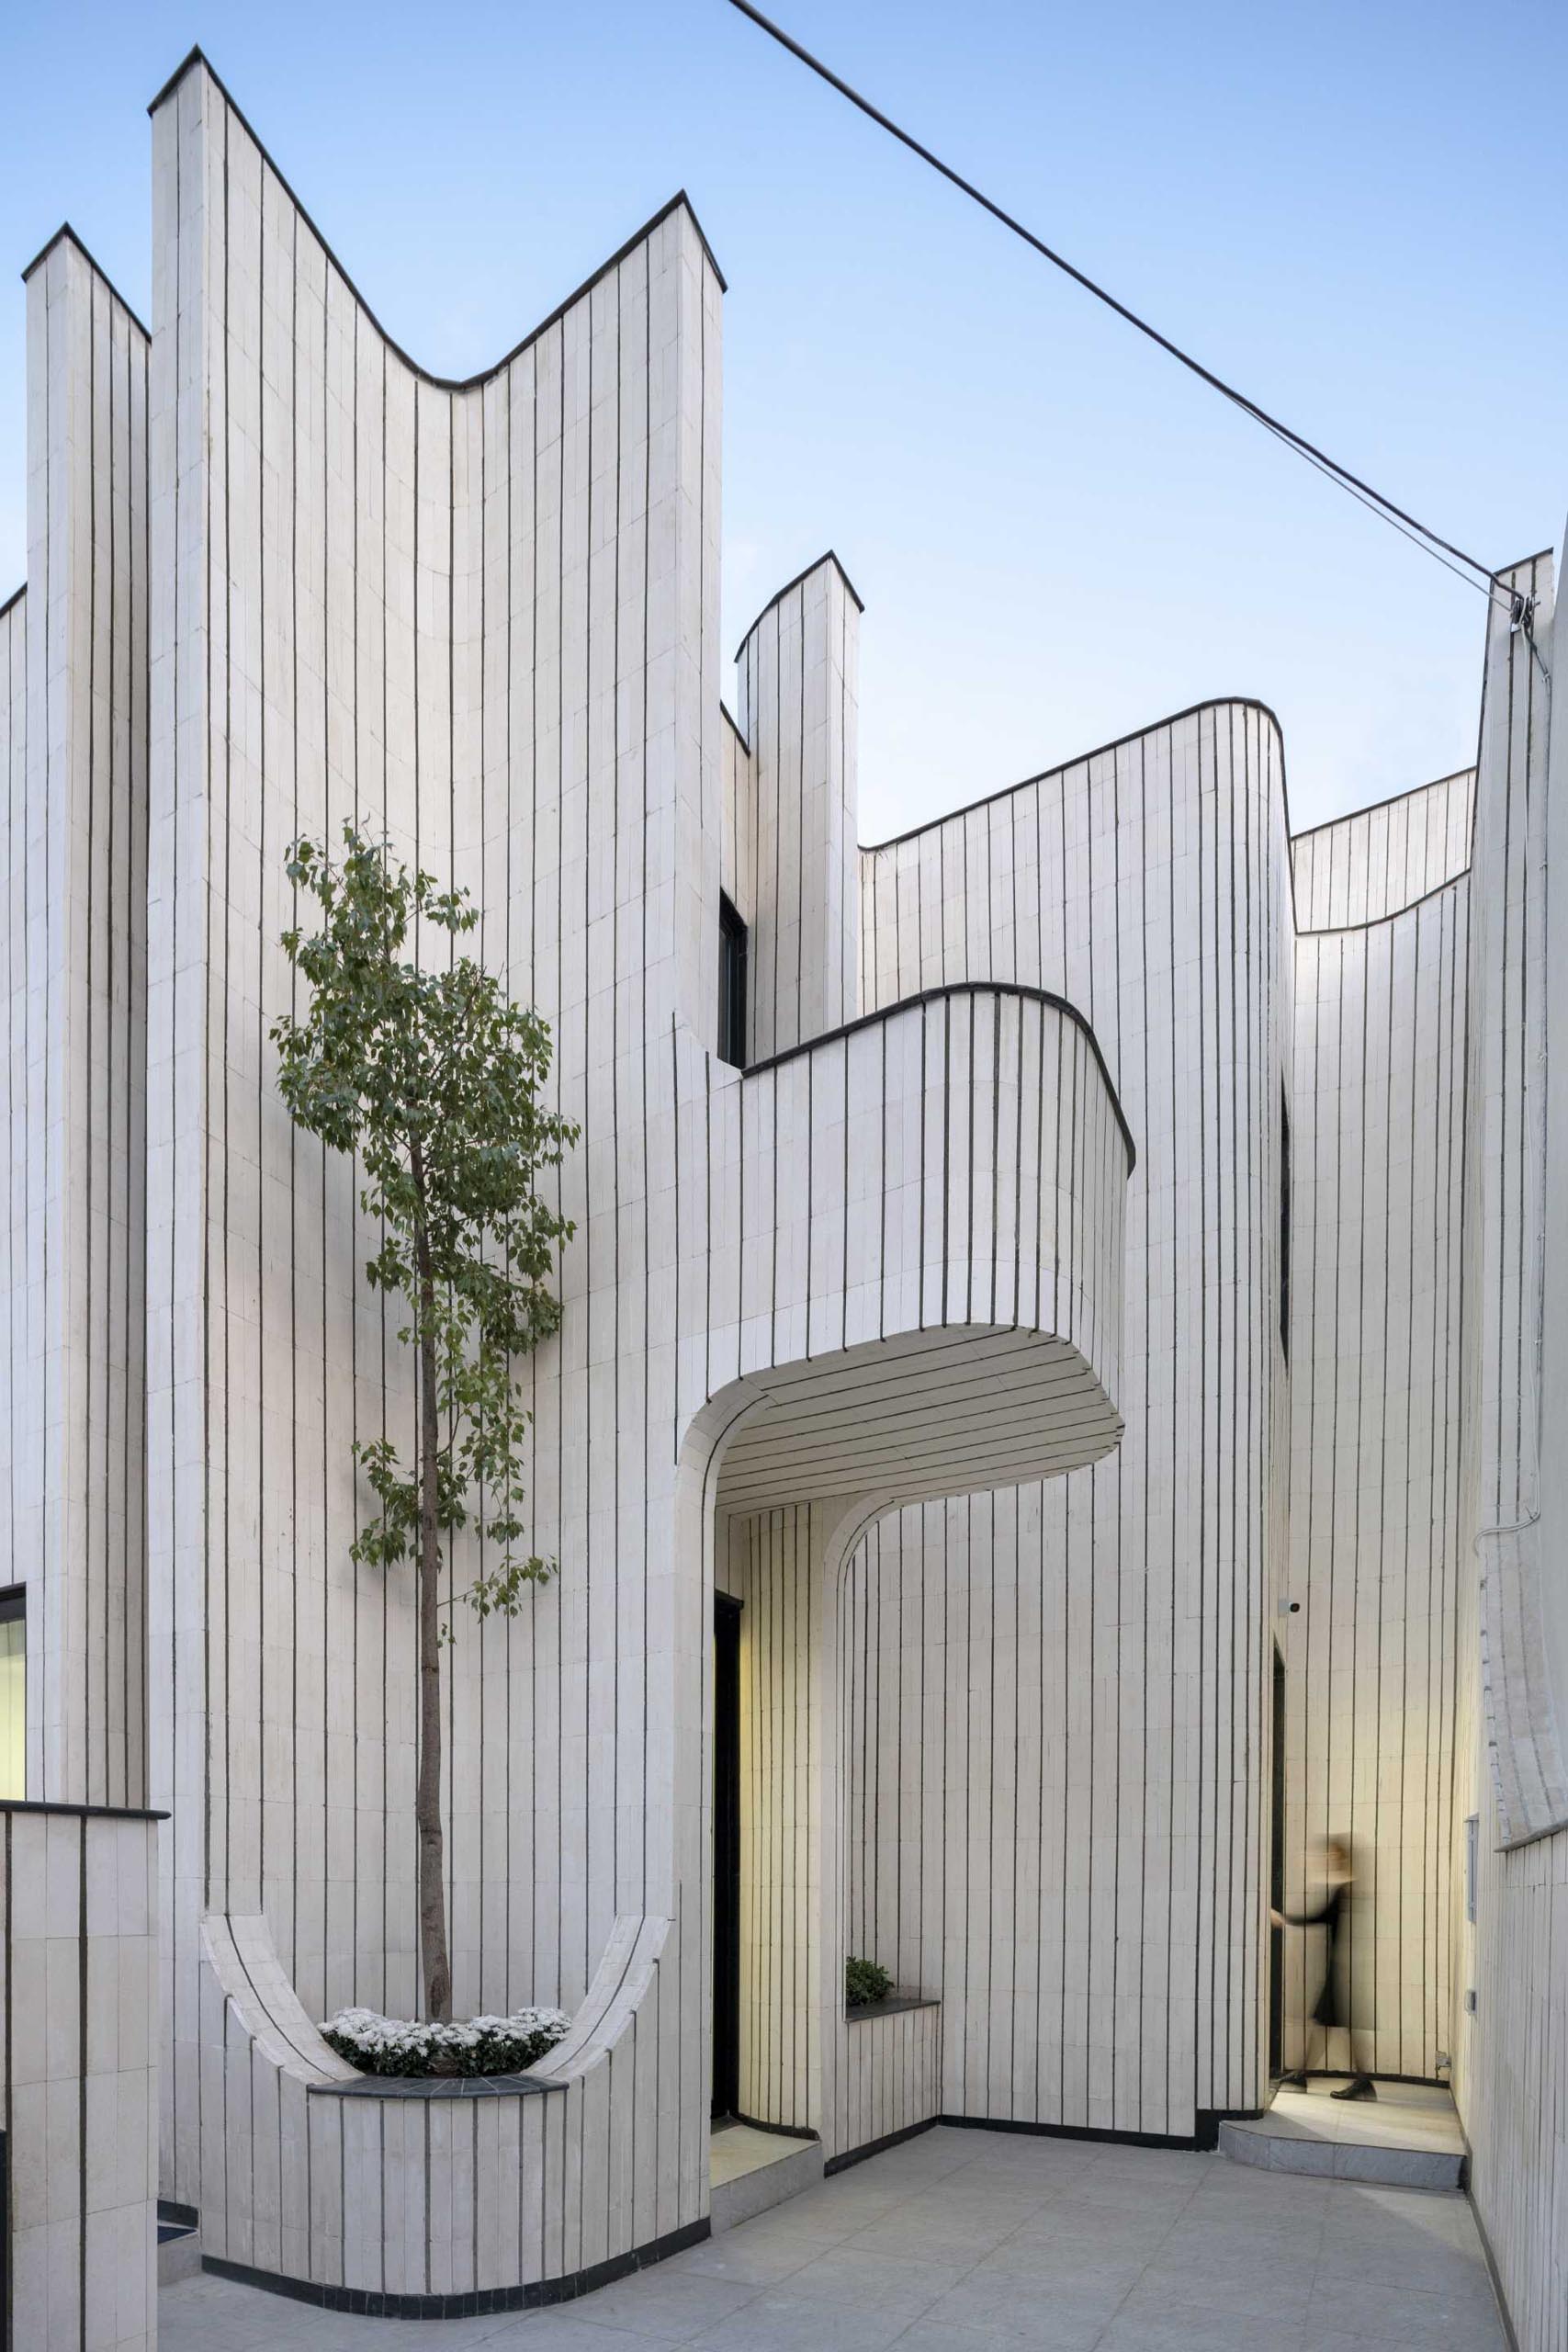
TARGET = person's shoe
x,y
1361,2087
1297,2081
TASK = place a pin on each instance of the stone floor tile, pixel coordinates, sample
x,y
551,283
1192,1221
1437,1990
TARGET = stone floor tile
x,y
749,2257
975,2241
943,2335
929,2237
1194,2327
857,2274
778,2322
1458,2318
1263,2285
1031,2311
563,2328
664,2306
1216,2239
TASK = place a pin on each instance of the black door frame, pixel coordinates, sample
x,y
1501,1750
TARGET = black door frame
x,y
726,1854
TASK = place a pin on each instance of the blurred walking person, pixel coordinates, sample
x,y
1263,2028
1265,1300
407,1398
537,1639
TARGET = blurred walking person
x,y
1334,2003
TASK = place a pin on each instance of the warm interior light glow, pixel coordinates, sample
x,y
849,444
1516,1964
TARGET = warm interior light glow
x,y
13,1696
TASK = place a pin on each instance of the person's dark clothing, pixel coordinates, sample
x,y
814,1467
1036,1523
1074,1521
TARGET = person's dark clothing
x,y
1333,2003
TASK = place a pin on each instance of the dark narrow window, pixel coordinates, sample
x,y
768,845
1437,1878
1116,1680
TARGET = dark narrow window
x,y
14,1692
731,984
1284,1226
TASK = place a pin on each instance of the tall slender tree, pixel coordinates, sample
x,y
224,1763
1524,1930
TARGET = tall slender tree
x,y
433,1078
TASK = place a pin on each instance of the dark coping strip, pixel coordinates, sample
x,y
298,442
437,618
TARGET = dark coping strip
x,y
678,202
1389,800
65,234
436,2087
80,1812
949,988
894,2006
1098,752
724,711
828,556
1373,922
372,2302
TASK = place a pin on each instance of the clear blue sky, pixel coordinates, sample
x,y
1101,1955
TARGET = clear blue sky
x,y
1355,210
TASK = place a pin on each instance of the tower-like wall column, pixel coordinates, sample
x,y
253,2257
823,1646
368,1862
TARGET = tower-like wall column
x,y
77,1045
800,665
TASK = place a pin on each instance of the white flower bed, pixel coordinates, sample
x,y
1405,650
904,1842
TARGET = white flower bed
x,y
379,2045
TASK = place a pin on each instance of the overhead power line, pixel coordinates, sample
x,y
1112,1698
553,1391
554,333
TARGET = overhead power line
x,y
1468,568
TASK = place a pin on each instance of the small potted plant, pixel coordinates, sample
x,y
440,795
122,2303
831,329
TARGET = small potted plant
x,y
864,1982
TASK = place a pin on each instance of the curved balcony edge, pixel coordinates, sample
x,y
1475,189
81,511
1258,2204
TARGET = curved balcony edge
x,y
1018,989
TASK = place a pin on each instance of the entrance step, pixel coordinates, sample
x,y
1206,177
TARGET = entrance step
x,y
1407,2137
749,2170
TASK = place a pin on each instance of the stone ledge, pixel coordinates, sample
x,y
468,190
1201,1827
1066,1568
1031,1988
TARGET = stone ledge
x,y
893,2006
435,2087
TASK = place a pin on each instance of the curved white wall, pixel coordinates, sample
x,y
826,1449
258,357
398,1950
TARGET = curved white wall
x,y
1061,1700
483,619
1356,869
1511,2051
1020,1739
1376,1554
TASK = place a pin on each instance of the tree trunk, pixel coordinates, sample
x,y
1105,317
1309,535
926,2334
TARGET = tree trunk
x,y
434,1962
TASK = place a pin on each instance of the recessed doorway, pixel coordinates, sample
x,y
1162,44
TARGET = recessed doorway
x,y
726,1855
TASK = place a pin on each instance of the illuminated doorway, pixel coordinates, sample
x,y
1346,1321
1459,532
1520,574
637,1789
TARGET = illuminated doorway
x,y
14,1692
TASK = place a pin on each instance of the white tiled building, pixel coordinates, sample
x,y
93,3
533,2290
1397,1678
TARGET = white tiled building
x,y
1087,1301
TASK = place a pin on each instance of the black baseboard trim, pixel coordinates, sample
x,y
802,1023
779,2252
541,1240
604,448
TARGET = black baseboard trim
x,y
368,2302
780,2131
1466,2183
849,2156
1334,2073
1205,2134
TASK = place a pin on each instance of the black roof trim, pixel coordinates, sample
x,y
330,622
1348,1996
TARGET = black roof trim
x,y
1060,767
1541,555
1343,930
80,1812
828,556
1389,800
13,598
724,712
963,988
679,202
66,234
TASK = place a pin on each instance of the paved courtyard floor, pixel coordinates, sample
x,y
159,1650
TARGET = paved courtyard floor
x,y
976,2241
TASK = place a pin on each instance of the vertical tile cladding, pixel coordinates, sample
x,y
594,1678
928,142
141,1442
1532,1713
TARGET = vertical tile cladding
x,y
1375,1562
21,1395
74,660
793,800
78,1993
1057,1818
480,619
1356,869
1511,2053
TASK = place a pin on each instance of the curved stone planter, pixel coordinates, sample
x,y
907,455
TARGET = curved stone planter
x,y
430,2199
